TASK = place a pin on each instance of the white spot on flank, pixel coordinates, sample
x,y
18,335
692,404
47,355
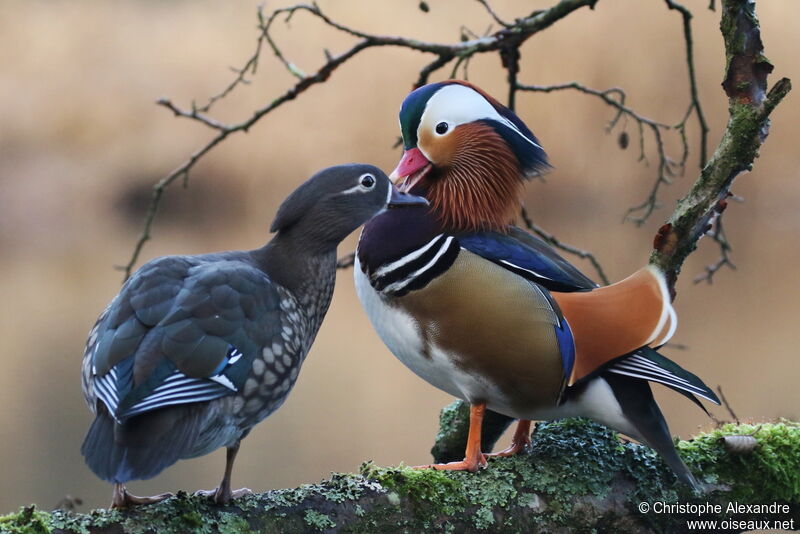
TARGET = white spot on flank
x,y
250,387
270,378
225,381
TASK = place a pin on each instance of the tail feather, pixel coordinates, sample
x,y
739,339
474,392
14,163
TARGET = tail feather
x,y
143,446
640,409
647,364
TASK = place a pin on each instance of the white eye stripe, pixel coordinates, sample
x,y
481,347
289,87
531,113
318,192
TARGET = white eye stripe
x,y
360,188
355,189
457,104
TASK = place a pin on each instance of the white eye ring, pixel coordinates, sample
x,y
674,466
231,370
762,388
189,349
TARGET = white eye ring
x,y
442,128
367,181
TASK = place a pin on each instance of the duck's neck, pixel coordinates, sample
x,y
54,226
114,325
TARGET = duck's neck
x,y
308,271
394,233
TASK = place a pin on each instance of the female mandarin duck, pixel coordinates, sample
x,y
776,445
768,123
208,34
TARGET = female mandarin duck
x,y
195,350
489,313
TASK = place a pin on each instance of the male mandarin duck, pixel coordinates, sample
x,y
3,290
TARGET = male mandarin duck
x,y
195,350
491,314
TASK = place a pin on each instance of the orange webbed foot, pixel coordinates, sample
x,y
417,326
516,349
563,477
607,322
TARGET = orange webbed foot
x,y
474,459
467,464
521,439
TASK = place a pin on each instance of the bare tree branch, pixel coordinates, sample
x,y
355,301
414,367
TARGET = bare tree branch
x,y
695,99
667,168
494,16
554,241
719,237
749,107
513,35
346,261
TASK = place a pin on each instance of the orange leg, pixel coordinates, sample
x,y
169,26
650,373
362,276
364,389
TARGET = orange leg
x,y
521,439
473,458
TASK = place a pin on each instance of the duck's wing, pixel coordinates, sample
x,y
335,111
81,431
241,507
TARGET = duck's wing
x,y
529,257
179,332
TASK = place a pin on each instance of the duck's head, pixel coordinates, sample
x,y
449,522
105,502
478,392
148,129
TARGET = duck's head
x,y
335,201
467,154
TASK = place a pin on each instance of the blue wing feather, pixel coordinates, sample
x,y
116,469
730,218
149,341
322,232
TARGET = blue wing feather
x,y
527,256
566,346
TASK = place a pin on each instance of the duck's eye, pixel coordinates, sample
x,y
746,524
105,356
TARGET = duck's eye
x,y
368,181
442,128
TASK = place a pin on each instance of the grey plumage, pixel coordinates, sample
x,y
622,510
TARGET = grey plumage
x,y
195,350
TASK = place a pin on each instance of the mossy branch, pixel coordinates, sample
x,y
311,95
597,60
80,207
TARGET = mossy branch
x,y
749,107
576,477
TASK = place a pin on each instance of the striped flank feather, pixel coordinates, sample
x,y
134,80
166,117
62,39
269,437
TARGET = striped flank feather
x,y
176,389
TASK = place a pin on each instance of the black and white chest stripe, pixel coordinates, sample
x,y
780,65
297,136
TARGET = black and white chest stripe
x,y
417,268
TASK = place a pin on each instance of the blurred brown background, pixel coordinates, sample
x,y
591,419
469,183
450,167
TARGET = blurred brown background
x,y
81,142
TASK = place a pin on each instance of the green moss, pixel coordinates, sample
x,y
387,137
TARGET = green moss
x,y
772,468
453,427
232,524
419,485
572,463
317,520
28,520
560,449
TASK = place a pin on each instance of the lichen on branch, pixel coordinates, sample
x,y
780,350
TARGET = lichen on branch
x,y
576,477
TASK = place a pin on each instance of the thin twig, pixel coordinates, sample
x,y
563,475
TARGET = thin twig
x,y
431,67
727,405
494,16
695,99
507,36
719,237
346,261
615,97
510,59
553,240
249,67
183,170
